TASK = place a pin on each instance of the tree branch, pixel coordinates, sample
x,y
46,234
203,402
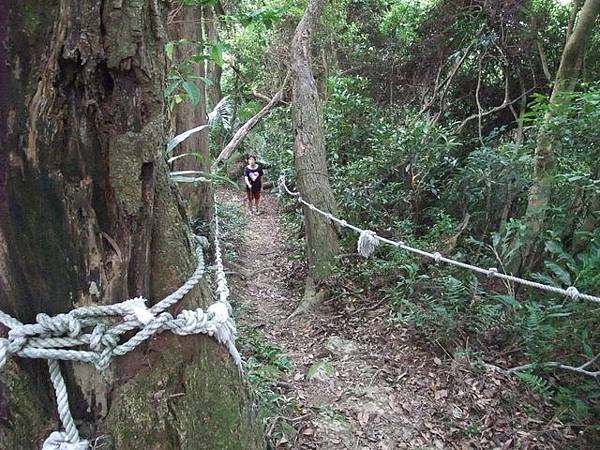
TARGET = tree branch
x,y
582,369
577,4
543,59
426,104
504,104
448,80
243,131
479,108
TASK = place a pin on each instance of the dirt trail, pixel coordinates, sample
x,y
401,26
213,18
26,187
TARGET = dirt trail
x,y
362,383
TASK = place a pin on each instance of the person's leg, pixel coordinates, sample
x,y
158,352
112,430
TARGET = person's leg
x,y
249,197
257,199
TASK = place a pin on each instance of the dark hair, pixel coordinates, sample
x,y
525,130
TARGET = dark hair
x,y
250,156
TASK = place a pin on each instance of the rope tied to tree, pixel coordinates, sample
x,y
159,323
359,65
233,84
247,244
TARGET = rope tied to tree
x,y
58,440
93,334
366,235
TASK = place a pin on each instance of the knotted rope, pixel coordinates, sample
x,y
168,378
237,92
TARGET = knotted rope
x,y
93,334
366,247
367,242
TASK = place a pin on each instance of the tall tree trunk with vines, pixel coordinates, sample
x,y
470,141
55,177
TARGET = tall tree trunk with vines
x,y
185,22
88,216
309,154
547,145
213,70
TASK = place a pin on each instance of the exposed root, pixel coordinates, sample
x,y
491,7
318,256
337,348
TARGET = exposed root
x,y
312,298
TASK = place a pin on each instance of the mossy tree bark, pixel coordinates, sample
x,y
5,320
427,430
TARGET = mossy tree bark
x,y
88,215
547,145
309,153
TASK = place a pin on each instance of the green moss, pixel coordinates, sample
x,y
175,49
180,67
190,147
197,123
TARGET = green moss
x,y
127,154
25,410
138,419
217,414
33,16
172,253
186,405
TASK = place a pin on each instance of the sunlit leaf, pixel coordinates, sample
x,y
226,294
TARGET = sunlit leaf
x,y
182,137
192,91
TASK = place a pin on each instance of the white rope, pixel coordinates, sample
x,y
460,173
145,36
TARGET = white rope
x,y
69,439
226,333
367,236
90,334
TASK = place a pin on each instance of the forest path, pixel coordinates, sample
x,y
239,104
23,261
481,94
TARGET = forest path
x,y
360,382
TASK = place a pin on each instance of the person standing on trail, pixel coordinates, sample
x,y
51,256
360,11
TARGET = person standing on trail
x,y
253,174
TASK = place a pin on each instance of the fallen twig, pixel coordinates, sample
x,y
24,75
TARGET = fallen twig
x,y
582,369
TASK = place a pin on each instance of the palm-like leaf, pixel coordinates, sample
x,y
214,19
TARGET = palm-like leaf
x,y
221,114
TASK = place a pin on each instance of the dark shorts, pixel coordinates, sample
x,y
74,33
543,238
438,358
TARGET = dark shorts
x,y
254,192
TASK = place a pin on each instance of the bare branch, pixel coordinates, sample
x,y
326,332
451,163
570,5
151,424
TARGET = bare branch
x,y
504,104
445,85
243,131
582,369
426,103
261,96
479,109
543,59
448,80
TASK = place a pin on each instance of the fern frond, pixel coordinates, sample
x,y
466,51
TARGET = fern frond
x,y
537,383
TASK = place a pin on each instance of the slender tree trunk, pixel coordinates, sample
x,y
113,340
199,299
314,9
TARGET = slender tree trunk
x,y
309,151
187,24
88,216
547,146
583,234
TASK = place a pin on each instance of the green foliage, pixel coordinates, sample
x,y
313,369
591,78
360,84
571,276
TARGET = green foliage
x,y
447,308
535,382
182,83
265,366
486,181
399,169
570,404
377,161
404,19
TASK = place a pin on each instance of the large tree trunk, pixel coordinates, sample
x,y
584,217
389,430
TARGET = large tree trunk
x,y
309,153
88,216
186,23
547,146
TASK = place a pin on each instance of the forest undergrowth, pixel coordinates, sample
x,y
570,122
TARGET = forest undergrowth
x,y
463,127
351,375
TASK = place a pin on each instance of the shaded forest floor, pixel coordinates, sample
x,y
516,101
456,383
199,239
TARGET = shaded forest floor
x,y
351,379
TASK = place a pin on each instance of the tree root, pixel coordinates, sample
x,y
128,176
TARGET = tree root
x,y
312,298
